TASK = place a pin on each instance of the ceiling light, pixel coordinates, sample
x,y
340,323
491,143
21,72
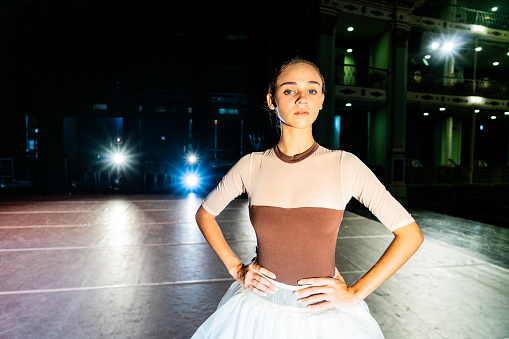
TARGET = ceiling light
x,y
435,45
442,109
478,49
476,111
349,50
427,56
350,29
425,114
448,46
494,9
348,104
479,28
496,63
493,117
506,113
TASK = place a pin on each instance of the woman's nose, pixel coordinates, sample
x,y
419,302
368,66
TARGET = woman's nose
x,y
302,99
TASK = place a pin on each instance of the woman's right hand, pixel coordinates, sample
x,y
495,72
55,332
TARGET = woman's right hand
x,y
250,275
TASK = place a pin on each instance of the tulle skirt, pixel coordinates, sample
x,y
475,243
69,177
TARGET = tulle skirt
x,y
242,314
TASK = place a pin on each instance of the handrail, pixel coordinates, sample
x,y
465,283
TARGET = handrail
x,y
455,86
460,14
351,75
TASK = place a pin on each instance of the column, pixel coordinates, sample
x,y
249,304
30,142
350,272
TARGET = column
x,y
448,140
397,102
327,64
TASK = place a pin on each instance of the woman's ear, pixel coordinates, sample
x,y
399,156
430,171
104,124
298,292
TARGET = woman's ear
x,y
270,102
321,104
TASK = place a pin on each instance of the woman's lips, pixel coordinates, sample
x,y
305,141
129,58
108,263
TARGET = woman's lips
x,y
301,113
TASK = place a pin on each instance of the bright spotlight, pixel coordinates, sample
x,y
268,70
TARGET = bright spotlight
x,y
192,159
191,180
118,158
478,49
494,9
448,46
435,45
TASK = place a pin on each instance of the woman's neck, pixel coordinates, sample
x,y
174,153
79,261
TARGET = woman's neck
x,y
295,141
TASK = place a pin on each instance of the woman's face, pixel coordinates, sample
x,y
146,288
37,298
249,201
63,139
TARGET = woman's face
x,y
299,96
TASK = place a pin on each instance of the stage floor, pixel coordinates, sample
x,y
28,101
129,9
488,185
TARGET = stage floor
x,y
138,267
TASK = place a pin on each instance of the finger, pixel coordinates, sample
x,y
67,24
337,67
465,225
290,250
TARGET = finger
x,y
312,290
268,286
266,272
313,299
319,306
263,270
256,290
314,281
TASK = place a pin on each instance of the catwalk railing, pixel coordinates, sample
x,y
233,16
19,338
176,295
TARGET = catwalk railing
x,y
455,86
462,15
363,77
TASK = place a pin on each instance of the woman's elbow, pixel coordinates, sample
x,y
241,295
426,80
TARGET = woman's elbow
x,y
411,233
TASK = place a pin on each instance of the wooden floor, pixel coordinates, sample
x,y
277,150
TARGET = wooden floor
x,y
137,267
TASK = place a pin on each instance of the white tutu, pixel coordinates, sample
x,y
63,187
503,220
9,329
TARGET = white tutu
x,y
242,314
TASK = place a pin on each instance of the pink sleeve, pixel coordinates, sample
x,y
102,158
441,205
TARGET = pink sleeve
x,y
233,184
359,182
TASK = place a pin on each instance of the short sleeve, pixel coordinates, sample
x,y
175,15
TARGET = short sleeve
x,y
362,184
233,184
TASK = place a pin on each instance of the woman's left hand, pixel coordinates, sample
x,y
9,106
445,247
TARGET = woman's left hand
x,y
326,293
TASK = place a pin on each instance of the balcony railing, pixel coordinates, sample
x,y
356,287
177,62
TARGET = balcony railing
x,y
454,86
368,77
463,15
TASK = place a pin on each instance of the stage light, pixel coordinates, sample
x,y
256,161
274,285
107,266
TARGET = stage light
x,y
191,180
448,47
119,159
192,159
350,29
435,45
479,28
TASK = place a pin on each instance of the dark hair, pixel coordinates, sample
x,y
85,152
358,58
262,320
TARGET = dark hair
x,y
280,69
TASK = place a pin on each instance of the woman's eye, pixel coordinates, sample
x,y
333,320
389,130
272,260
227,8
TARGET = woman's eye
x,y
288,91
312,91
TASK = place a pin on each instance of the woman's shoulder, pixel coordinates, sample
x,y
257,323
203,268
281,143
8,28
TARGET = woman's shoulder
x,y
344,158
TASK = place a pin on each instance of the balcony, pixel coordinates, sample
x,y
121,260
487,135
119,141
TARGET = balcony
x,y
370,77
463,15
454,86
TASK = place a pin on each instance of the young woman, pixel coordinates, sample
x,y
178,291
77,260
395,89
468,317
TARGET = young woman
x,y
297,193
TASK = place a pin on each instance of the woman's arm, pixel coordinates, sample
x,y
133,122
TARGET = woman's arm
x,y
333,292
247,275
